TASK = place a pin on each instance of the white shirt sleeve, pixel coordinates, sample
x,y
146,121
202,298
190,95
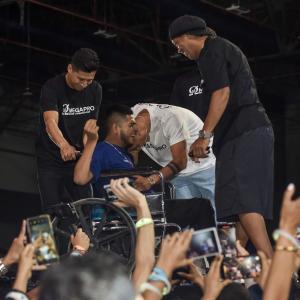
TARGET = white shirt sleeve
x,y
175,129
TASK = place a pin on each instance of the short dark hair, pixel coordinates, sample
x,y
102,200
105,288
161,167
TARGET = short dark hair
x,y
116,113
93,276
85,60
234,291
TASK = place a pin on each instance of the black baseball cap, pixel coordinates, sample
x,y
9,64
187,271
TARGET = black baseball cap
x,y
187,24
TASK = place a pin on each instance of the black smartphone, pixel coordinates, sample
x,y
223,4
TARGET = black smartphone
x,y
240,268
40,233
109,195
204,243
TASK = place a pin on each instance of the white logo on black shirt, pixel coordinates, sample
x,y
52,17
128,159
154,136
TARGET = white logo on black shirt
x,y
195,90
67,110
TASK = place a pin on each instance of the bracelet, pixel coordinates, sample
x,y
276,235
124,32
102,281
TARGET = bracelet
x,y
151,180
174,167
286,248
159,274
279,232
143,222
148,286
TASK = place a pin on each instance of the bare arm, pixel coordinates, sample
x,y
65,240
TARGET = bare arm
x,y
82,172
178,163
67,151
144,250
217,106
283,263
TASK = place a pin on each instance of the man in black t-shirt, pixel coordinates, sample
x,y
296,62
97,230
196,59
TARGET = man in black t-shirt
x,y
188,93
243,135
68,101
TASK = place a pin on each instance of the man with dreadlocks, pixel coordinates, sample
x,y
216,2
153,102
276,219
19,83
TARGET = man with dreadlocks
x,y
243,135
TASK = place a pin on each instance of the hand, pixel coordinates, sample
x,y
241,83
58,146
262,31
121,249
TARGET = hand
x,y
194,275
91,130
142,183
241,251
173,251
127,195
212,285
265,268
24,268
290,211
68,152
80,239
16,248
199,149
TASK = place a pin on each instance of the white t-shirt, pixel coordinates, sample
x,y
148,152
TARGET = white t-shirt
x,y
170,125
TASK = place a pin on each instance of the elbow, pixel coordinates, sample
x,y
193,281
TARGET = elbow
x,y
78,179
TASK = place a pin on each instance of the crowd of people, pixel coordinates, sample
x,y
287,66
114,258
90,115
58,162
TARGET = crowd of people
x,y
220,149
86,274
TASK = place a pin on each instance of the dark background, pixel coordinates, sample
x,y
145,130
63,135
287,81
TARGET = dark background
x,y
138,63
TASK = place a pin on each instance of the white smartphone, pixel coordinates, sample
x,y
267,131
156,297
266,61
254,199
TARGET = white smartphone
x,y
205,243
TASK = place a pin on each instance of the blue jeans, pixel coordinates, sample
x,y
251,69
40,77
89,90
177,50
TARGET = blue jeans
x,y
197,185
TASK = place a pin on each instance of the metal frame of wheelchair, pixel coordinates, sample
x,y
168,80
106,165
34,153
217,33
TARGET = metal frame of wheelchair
x,y
115,231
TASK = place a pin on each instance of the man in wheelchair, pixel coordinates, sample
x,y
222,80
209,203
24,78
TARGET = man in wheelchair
x,y
110,154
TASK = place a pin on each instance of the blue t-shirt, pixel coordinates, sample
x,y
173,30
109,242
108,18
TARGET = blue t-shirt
x,y
108,157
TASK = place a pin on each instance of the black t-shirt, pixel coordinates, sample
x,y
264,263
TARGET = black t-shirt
x,y
188,93
74,108
222,64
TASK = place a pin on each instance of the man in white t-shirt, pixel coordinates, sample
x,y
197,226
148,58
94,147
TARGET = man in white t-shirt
x,y
165,133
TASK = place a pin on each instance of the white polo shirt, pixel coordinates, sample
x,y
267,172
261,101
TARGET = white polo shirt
x,y
170,125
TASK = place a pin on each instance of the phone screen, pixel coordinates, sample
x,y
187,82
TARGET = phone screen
x,y
240,268
205,243
42,238
227,235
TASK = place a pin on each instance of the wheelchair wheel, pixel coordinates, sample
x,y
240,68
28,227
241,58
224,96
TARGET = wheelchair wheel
x,y
112,230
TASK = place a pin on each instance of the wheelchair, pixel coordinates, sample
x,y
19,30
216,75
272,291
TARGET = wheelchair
x,y
112,228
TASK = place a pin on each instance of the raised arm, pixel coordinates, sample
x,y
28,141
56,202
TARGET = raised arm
x,y
278,283
82,172
144,250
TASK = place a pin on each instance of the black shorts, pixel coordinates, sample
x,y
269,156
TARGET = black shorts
x,y
244,175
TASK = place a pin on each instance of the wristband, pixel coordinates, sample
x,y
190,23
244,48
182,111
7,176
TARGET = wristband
x,y
143,222
17,295
279,232
286,248
159,274
148,286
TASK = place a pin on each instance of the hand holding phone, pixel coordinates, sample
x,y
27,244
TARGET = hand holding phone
x,y
41,236
205,243
240,268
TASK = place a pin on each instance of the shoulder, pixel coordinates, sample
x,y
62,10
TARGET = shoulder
x,y
95,86
56,81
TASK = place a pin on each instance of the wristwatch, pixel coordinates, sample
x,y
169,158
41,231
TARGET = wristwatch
x,y
205,134
3,268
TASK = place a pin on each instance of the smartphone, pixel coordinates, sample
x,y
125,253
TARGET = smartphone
x,y
109,195
227,236
240,268
204,243
41,236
